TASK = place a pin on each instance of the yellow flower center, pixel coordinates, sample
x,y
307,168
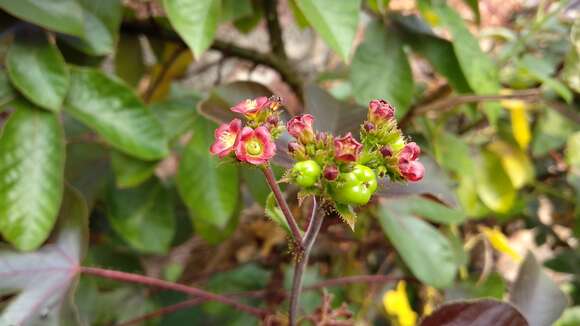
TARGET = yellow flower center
x,y
254,147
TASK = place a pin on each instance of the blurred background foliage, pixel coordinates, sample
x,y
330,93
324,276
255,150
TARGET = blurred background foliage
x,y
119,99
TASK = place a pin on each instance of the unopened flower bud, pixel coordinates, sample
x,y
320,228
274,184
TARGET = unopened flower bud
x,y
273,120
380,111
330,172
368,126
300,127
386,151
347,148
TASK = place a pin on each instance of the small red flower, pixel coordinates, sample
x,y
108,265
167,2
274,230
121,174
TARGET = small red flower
x,y
347,148
380,111
411,169
255,146
300,127
250,108
225,138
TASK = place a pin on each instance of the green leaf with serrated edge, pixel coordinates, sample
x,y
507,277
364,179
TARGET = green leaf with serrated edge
x,y
425,208
129,171
480,71
380,69
195,21
65,16
37,70
429,254
31,175
347,214
43,281
101,24
143,216
275,213
493,185
208,186
438,51
335,21
110,108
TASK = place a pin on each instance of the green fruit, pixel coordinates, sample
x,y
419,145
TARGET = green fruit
x,y
356,187
306,173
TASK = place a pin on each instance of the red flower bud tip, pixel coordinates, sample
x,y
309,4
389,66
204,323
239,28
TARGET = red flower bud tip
x,y
347,148
330,172
411,169
273,120
300,127
368,126
380,111
386,151
226,137
322,137
250,108
255,146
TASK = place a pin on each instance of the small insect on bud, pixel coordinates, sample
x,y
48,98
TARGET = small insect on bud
x,y
330,172
368,126
275,102
386,151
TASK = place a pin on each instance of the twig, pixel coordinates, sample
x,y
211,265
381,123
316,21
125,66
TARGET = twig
x,y
357,279
274,29
283,205
310,237
287,73
165,68
150,281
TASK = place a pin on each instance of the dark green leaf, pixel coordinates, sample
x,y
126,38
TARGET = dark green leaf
x,y
209,187
475,313
541,70
114,111
31,175
235,9
438,51
536,295
177,115
425,208
480,71
43,281
88,169
551,132
65,16
195,21
129,64
429,255
37,70
256,182
129,171
335,21
567,261
380,69
7,93
143,216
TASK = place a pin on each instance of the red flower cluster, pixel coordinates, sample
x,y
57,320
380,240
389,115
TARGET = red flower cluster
x,y
251,145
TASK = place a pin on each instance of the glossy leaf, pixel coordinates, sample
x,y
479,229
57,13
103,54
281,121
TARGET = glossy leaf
x,y
195,21
536,295
129,171
335,21
429,255
438,51
65,16
111,109
31,175
475,313
177,116
425,208
143,216
209,188
380,69
494,185
88,168
37,70
43,281
7,92
480,71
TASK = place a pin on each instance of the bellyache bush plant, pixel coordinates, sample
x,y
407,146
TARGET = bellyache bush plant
x,y
338,172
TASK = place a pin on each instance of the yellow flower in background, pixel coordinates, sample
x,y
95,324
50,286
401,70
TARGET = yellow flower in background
x,y
519,118
398,307
499,242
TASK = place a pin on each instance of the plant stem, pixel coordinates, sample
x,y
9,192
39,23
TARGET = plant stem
x,y
316,220
283,205
150,281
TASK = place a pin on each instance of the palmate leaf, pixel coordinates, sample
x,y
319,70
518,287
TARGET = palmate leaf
x,y
43,281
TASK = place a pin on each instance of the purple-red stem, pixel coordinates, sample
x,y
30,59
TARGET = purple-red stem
x,y
283,204
150,281
316,219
